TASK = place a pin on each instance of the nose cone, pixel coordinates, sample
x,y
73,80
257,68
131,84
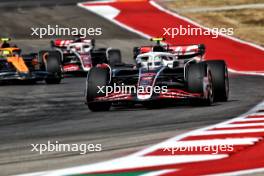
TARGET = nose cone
x,y
145,84
19,64
144,95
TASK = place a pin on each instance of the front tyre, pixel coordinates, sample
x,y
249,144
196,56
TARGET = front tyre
x,y
53,67
97,77
220,79
199,79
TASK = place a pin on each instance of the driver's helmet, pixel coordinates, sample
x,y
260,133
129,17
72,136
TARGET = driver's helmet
x,y
80,47
87,48
155,61
168,61
149,61
5,53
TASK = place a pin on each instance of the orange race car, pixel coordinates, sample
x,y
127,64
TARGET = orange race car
x,y
44,65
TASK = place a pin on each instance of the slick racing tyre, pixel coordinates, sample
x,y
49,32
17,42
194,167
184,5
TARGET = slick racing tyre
x,y
220,79
199,80
53,67
114,57
97,77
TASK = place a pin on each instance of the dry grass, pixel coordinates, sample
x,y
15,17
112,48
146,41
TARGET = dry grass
x,y
208,3
248,24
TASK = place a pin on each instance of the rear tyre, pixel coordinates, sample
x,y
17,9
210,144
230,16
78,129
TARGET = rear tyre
x,y
200,81
220,79
114,57
97,77
98,56
53,67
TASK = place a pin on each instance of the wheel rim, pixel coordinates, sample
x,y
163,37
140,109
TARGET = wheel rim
x,y
210,95
226,83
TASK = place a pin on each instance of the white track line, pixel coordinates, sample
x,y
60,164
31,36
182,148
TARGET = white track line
x,y
246,72
194,132
130,162
241,125
210,142
156,173
216,132
114,21
251,119
257,114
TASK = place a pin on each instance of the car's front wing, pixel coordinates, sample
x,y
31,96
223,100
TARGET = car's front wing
x,y
169,94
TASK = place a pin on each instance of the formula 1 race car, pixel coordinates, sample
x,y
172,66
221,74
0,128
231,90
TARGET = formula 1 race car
x,y
177,72
32,67
79,55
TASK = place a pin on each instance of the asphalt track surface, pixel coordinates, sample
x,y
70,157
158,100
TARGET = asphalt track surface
x,y
31,114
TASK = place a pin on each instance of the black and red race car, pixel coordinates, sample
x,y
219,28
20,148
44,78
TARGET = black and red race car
x,y
178,72
80,55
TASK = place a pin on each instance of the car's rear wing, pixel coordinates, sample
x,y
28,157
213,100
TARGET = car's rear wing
x,y
62,43
186,50
179,50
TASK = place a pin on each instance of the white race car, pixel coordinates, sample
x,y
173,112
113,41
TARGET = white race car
x,y
79,55
163,73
